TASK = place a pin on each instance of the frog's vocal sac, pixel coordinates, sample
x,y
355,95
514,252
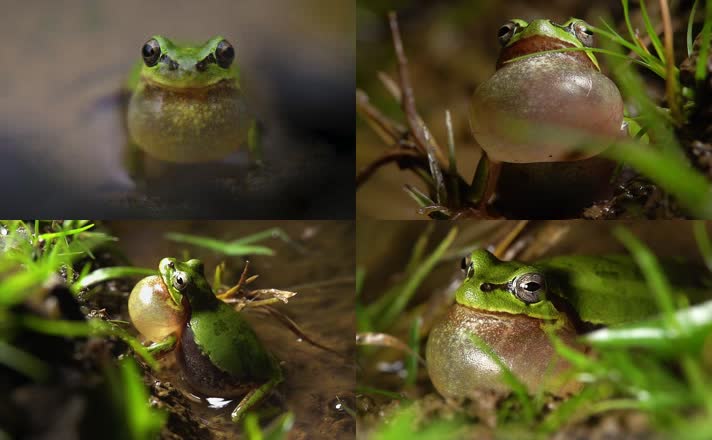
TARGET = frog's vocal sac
x,y
532,116
187,104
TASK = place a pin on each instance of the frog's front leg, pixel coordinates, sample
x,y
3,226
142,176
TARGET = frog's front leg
x,y
484,182
255,396
163,346
492,177
133,160
254,141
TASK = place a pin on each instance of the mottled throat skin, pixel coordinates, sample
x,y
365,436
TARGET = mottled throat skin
x,y
188,124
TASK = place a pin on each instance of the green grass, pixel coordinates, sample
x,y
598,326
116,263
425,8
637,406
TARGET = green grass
x,y
32,257
277,430
239,247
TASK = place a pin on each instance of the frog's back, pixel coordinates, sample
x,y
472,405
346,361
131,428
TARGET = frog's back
x,y
612,289
231,344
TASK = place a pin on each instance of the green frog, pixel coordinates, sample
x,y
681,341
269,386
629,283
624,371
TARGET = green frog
x,y
548,93
509,304
218,352
187,103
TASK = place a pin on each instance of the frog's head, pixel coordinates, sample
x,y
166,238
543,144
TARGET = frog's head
x,y
519,38
183,279
504,286
188,67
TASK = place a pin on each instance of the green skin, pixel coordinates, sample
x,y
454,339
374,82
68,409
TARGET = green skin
x,y
223,336
572,294
600,290
546,28
181,113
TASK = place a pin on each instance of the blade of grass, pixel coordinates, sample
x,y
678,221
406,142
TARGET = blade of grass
x,y
455,199
228,248
435,171
699,228
279,429
701,70
377,307
92,327
690,22
23,362
656,68
411,362
669,171
653,273
650,30
399,303
67,233
420,198
109,273
379,392
143,421
672,84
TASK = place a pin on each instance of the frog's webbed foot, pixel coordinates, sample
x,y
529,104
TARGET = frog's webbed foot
x,y
254,397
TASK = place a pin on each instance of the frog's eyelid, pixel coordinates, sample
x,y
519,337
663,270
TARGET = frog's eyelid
x,y
507,31
530,277
181,280
203,64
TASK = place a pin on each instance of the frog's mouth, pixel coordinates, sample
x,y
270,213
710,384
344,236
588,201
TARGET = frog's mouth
x,y
541,43
188,86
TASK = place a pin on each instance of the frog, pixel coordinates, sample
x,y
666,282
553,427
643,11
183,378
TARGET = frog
x,y
561,94
217,351
514,306
187,104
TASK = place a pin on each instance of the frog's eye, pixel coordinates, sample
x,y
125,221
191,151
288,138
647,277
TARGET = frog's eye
x,y
151,52
224,54
506,32
529,287
582,32
180,280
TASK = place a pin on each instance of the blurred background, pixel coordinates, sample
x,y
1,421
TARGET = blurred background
x,y
451,48
62,136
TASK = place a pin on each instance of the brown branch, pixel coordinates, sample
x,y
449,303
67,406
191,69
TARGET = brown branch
x,y
387,129
408,99
395,155
395,90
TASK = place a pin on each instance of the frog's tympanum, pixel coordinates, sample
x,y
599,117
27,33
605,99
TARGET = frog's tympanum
x,y
534,112
186,102
508,304
219,353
